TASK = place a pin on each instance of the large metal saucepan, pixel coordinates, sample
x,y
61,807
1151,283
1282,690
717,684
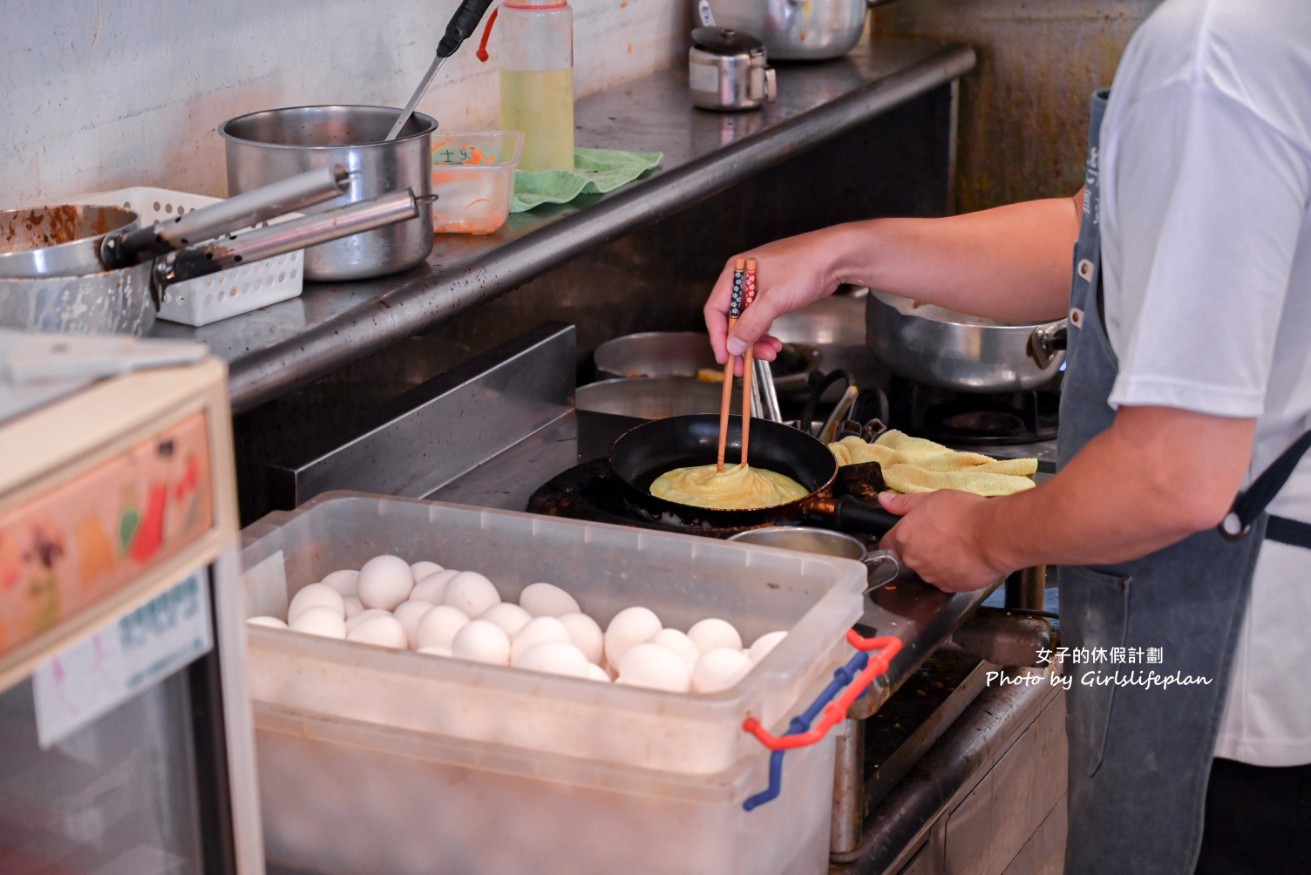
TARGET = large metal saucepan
x,y
274,143
802,30
75,240
124,300
644,453
949,350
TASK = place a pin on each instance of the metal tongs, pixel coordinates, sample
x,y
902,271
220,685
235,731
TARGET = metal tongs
x,y
462,24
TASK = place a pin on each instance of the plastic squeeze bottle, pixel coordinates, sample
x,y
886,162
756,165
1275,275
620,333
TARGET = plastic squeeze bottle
x,y
537,80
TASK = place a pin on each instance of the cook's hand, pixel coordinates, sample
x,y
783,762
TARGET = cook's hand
x,y
790,273
935,539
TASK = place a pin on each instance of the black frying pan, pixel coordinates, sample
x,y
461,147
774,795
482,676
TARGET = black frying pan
x,y
644,453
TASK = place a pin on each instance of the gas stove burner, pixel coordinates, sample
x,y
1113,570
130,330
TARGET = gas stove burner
x,y
591,491
974,420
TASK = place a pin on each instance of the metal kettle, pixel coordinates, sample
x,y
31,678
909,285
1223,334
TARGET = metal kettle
x,y
727,70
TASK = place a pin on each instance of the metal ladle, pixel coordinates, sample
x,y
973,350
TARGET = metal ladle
x,y
461,25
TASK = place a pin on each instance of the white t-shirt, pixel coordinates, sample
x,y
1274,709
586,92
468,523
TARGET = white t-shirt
x,y
1206,253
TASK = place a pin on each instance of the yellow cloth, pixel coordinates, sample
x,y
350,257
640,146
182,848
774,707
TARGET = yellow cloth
x,y
912,464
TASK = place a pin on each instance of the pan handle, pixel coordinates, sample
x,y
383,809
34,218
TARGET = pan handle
x,y
850,512
225,216
286,237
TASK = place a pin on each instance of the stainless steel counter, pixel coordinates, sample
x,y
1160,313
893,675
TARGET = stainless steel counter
x,y
278,348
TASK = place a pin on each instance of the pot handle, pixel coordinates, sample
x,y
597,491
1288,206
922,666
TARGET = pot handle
x,y
225,216
884,567
286,237
1047,340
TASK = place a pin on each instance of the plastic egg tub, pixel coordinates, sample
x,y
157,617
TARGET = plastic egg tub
x,y
400,762
473,178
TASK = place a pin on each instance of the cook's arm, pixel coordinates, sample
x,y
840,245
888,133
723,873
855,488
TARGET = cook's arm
x,y
1155,476
1010,263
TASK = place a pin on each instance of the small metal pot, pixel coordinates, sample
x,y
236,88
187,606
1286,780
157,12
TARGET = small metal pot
x,y
265,146
62,240
949,350
649,398
727,70
882,565
125,300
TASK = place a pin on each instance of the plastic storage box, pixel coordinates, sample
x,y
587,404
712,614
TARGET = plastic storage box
x,y
473,178
398,762
221,295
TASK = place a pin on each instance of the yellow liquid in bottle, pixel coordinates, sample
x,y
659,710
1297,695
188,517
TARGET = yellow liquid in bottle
x,y
541,104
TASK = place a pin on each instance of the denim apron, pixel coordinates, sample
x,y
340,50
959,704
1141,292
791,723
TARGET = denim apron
x,y
1140,752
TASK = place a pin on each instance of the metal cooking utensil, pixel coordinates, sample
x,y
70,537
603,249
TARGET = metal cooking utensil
x,y
950,350
461,25
124,301
827,542
60,240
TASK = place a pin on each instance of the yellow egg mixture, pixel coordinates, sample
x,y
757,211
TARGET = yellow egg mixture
x,y
735,488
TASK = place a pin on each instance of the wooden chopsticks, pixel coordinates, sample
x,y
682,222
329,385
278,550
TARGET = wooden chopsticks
x,y
744,292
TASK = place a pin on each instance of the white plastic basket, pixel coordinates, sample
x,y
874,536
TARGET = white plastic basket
x,y
220,295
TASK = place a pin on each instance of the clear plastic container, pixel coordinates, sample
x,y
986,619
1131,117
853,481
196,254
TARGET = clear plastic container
x,y
536,59
434,759
473,178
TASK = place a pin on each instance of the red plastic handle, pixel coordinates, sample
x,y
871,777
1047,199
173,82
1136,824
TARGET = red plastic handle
x,y
889,647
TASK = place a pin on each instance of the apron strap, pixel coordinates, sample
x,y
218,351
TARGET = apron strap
x,y
1249,504
1292,532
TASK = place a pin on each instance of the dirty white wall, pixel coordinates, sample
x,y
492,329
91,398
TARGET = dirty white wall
x,y
115,93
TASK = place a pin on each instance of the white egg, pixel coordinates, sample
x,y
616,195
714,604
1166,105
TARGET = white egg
x,y
650,665
432,587
420,570
547,600
438,627
719,669
596,673
352,604
410,613
272,622
385,582
384,631
628,628
585,633
535,631
345,581
554,657
364,615
435,651
765,643
481,641
315,595
323,621
712,633
509,616
677,641
471,592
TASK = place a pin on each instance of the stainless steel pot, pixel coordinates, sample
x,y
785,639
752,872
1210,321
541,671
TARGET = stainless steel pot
x,y
272,144
883,566
58,240
949,350
797,30
123,301
76,240
654,398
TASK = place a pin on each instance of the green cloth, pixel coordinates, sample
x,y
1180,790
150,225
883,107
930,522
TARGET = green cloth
x,y
596,171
